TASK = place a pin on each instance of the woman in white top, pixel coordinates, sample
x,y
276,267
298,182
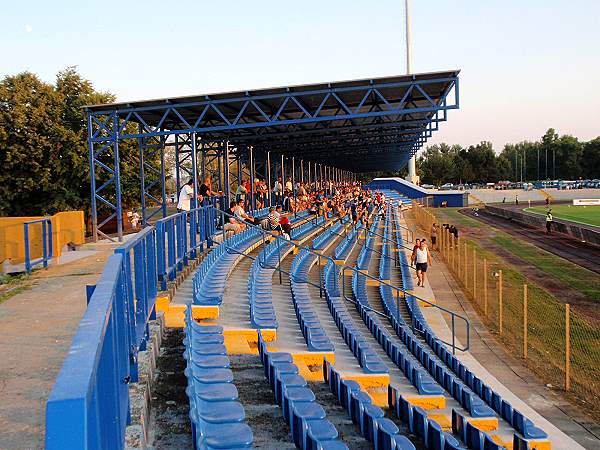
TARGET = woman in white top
x,y
422,258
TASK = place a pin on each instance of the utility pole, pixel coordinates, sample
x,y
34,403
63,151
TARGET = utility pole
x,y
412,162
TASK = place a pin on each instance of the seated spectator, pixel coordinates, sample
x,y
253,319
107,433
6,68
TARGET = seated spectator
x,y
231,223
241,215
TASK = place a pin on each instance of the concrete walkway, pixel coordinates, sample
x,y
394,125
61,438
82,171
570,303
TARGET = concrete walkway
x,y
37,327
567,428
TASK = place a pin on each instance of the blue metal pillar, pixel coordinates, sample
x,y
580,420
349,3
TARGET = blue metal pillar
x,y
252,168
194,155
226,191
117,176
269,185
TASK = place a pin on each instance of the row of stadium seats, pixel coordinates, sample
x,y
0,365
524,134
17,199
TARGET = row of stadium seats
x,y
260,288
364,258
470,391
380,431
343,250
315,336
217,417
367,358
210,278
306,418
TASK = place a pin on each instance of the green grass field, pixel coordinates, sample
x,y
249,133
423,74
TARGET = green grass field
x,y
589,215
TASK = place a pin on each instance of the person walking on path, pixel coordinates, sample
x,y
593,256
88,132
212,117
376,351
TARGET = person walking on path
x,y
433,236
423,259
549,220
414,252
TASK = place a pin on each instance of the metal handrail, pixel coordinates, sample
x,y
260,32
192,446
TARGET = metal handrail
x,y
47,253
344,267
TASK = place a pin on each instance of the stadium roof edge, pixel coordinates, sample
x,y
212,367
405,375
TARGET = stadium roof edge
x,y
282,89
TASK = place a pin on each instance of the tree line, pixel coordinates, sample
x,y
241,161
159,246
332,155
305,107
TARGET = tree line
x,y
552,157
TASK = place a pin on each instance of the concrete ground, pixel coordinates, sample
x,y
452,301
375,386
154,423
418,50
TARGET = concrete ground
x,y
489,353
37,326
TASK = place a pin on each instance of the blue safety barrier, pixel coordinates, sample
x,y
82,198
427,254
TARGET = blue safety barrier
x,y
46,243
179,239
89,404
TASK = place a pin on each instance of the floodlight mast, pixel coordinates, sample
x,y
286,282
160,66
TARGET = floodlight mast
x,y
412,162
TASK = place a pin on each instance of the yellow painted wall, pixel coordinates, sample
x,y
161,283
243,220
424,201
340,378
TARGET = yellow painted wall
x,y
67,227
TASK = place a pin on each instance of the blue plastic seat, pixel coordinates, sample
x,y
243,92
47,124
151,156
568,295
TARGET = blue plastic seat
x,y
211,361
211,376
292,395
286,380
358,401
301,413
489,444
401,442
346,388
220,412
526,427
368,422
331,445
474,437
385,431
451,443
216,392
210,349
318,432
226,436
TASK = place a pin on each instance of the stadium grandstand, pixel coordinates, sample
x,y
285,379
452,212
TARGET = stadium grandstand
x,y
297,328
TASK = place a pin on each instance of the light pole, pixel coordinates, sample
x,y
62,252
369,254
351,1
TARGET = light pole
x,y
412,162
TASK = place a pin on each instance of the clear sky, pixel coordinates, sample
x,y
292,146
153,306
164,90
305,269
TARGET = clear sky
x,y
527,65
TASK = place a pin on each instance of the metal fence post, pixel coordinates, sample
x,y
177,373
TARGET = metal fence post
x,y
465,265
458,266
474,272
500,305
567,347
27,253
485,289
525,321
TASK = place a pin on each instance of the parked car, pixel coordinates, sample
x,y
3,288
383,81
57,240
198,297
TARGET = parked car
x,y
446,187
428,186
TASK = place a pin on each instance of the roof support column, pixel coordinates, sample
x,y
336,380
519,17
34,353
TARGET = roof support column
x,y
117,177
252,193
269,185
194,154
226,190
294,183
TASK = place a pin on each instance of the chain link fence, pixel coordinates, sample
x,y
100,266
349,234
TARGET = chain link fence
x,y
558,344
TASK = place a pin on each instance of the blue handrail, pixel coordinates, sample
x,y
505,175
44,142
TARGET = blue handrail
x,y
46,244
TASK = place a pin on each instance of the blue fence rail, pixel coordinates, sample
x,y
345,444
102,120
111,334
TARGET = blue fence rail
x,y
46,243
180,237
88,407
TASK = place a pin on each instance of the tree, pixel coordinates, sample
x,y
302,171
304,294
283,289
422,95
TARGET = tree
x,y
43,145
591,159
